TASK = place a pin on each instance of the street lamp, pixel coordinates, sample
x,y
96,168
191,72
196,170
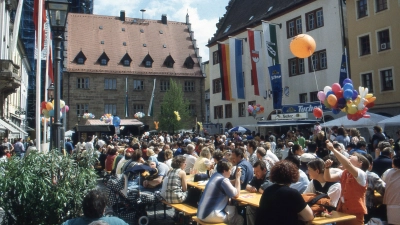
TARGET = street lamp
x,y
58,12
50,92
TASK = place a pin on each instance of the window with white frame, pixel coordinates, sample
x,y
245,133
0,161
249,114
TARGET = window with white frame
x,y
381,5
110,84
103,62
138,85
315,19
383,40
218,112
362,8
137,108
189,86
217,86
242,109
303,98
318,61
365,48
110,109
296,66
366,81
386,80
83,83
81,109
294,27
164,85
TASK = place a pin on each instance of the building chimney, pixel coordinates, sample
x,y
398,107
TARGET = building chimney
x,y
196,51
192,35
189,27
194,43
199,58
164,18
187,19
122,15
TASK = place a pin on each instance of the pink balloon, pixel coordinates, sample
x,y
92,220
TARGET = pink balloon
x,y
321,96
66,108
336,88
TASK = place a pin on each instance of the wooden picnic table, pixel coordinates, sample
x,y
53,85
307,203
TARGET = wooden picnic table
x,y
199,185
336,217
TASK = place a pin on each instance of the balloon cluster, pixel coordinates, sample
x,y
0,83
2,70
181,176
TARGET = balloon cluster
x,y
200,125
88,116
107,118
178,117
255,109
47,108
116,121
45,121
139,115
348,100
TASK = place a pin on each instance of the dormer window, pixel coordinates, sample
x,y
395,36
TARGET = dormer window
x,y
148,61
103,59
126,60
80,58
169,62
189,63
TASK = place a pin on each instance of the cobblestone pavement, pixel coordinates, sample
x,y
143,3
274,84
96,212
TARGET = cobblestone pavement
x,y
158,219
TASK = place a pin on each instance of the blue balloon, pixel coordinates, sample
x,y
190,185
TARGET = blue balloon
x,y
116,121
335,111
51,113
348,94
329,93
348,86
355,95
347,81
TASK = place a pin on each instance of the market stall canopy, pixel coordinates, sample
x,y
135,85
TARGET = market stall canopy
x,y
8,127
393,121
361,123
124,122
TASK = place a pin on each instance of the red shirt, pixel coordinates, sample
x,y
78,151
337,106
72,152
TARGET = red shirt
x,y
110,162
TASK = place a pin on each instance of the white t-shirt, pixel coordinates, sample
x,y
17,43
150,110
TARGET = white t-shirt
x,y
333,191
361,177
272,156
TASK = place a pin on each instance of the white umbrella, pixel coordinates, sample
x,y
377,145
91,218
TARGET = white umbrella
x,y
69,133
239,129
363,122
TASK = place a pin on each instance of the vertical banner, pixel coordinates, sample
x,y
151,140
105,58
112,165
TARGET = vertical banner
x,y
224,66
276,83
126,98
257,72
269,31
150,112
343,70
236,70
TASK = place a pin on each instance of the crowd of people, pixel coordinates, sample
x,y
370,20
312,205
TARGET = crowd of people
x,y
338,162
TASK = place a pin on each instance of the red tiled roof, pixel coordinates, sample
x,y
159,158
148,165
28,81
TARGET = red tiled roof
x,y
124,122
83,33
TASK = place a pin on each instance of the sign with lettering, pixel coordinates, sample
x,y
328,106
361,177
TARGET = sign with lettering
x,y
303,107
289,116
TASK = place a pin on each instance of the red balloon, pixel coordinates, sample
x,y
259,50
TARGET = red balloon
x,y
367,116
370,105
43,104
317,112
339,94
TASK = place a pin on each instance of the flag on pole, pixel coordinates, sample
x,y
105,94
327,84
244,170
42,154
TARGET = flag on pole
x,y
224,67
36,19
236,71
276,83
269,31
257,71
150,112
343,70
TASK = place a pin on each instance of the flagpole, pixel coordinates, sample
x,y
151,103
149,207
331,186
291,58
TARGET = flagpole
x,y
38,74
126,97
347,67
46,84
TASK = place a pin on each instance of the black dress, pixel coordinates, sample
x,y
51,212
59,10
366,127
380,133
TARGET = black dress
x,y
280,204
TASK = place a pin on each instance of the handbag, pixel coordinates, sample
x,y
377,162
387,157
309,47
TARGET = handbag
x,y
200,177
318,203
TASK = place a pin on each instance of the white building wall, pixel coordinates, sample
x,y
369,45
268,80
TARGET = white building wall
x,y
327,37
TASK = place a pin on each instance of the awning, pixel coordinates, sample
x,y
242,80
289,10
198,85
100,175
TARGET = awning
x,y
18,128
274,123
93,128
124,122
9,127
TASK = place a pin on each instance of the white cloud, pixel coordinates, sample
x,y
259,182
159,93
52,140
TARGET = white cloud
x,y
203,23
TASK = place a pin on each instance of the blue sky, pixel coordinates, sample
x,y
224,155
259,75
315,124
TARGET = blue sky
x,y
203,14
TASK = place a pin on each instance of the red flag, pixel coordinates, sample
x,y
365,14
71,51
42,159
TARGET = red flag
x,y
36,21
50,60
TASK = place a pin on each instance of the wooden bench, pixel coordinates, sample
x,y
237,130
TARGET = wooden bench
x,y
198,221
187,210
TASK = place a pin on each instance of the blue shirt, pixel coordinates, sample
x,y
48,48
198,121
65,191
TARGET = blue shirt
x,y
247,173
85,221
68,147
358,151
178,152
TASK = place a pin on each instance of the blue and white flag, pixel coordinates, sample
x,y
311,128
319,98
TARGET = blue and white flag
x,y
276,83
235,70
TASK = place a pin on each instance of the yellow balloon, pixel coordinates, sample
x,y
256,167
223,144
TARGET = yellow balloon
x,y
369,95
344,110
372,99
352,109
357,101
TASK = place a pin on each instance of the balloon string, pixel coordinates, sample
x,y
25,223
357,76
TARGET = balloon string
x,y
316,82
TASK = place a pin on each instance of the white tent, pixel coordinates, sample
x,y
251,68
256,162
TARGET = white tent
x,y
367,123
69,133
393,121
361,123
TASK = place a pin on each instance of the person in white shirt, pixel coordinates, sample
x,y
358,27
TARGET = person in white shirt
x,y
318,184
270,154
191,157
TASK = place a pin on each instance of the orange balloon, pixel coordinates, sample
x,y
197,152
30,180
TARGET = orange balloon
x,y
303,46
332,100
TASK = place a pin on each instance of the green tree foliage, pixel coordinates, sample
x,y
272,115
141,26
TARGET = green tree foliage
x,y
174,101
44,188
